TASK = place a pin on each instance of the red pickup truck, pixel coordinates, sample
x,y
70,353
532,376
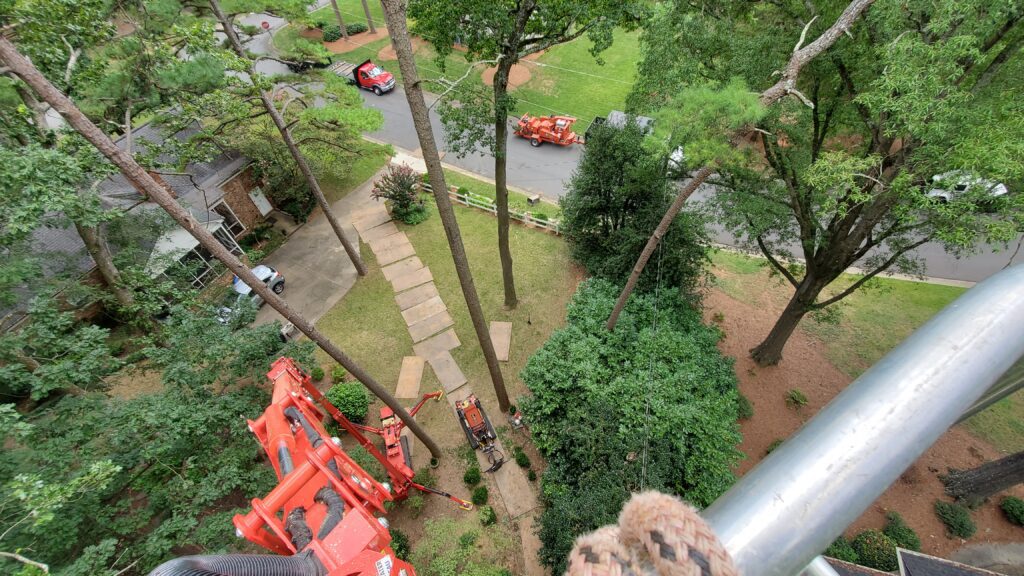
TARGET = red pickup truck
x,y
367,76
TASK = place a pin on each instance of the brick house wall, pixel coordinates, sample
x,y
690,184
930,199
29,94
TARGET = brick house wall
x,y
236,195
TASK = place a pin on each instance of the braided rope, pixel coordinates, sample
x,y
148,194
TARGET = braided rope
x,y
656,534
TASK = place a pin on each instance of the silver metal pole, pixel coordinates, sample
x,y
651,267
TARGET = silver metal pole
x,y
819,567
784,512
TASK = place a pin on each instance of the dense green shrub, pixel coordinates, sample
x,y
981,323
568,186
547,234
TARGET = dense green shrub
x,y
1013,507
521,458
400,544
531,475
332,32
841,549
586,411
356,28
898,531
480,495
615,200
744,409
317,373
399,185
472,476
487,515
875,550
351,399
338,373
956,518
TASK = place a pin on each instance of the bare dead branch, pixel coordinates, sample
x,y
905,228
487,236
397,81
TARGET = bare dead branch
x,y
23,560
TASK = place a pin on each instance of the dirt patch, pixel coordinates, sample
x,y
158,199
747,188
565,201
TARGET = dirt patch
x,y
355,41
388,52
312,33
517,76
806,368
134,381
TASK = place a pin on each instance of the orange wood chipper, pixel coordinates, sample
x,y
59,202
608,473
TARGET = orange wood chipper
x,y
554,129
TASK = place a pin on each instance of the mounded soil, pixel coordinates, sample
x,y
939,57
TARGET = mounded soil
x,y
517,76
805,367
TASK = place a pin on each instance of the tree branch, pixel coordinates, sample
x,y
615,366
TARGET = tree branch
x,y
775,263
23,560
878,270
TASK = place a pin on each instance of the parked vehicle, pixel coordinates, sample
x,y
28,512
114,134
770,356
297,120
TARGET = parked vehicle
x,y
618,119
367,76
950,185
540,129
241,294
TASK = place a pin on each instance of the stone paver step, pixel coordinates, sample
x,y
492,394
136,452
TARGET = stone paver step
x,y
371,219
435,345
387,242
501,337
376,233
409,377
412,279
423,310
448,372
391,271
416,295
430,326
394,254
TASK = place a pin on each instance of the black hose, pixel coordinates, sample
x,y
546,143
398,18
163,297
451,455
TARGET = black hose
x,y
296,525
304,564
294,415
335,510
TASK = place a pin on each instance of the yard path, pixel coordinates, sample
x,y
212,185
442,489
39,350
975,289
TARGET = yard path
x,y
430,327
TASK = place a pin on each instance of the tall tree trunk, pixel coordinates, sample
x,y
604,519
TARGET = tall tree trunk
x,y
785,86
394,15
286,135
369,18
685,192
341,21
975,485
96,245
769,352
138,177
501,179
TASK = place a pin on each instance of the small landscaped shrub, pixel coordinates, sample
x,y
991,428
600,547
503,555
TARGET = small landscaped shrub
x,y
350,399
956,518
898,531
400,543
531,475
332,32
796,399
338,374
487,515
521,458
1013,507
356,28
876,550
744,409
399,185
472,476
841,549
480,495
317,373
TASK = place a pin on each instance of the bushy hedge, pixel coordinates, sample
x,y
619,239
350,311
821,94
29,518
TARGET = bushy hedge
x,y
898,531
350,399
841,549
587,411
956,518
356,28
1013,507
332,32
876,550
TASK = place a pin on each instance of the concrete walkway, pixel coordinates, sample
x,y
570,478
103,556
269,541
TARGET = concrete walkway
x,y
431,329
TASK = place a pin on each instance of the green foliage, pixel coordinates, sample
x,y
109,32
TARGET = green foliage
x,y
615,200
400,544
521,458
351,399
416,502
356,28
400,186
957,519
480,495
531,475
796,399
472,476
448,548
424,477
1013,508
901,534
875,550
841,549
590,390
332,32
317,373
487,515
744,409
338,373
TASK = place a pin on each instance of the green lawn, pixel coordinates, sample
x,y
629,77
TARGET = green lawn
x,y
580,86
352,12
367,324
516,201
872,323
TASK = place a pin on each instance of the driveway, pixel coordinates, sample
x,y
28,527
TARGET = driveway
x,y
316,269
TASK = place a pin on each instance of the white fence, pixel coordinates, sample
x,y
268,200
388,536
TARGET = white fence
x,y
487,205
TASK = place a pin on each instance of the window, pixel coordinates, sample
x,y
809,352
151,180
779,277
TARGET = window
x,y
233,224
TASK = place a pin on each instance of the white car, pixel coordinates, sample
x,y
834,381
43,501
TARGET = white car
x,y
952,184
241,292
